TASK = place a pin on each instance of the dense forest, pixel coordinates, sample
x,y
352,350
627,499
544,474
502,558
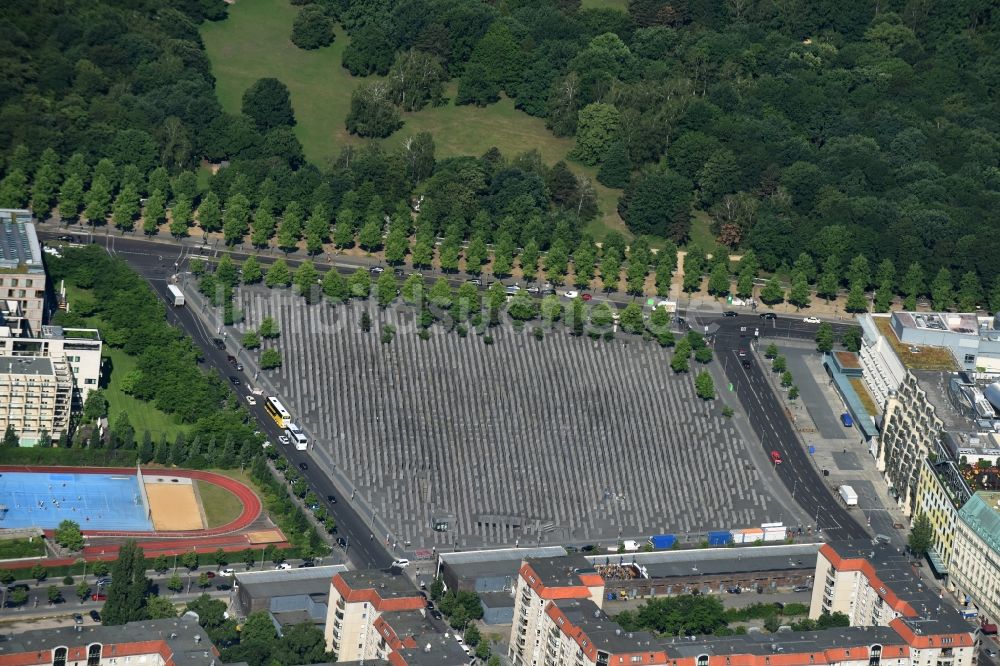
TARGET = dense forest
x,y
814,134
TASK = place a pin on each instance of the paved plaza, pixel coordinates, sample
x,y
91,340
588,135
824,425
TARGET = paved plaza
x,y
553,441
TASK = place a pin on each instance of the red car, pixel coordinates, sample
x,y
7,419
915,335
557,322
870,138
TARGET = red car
x,y
98,597
776,457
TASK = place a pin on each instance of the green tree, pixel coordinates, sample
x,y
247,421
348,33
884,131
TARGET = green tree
x,y
68,536
786,379
780,364
306,279
529,261
680,361
268,328
828,282
611,266
718,279
82,591
160,564
312,28
397,244
970,292
369,52
657,202
180,218
268,104
772,293
98,199
263,226
859,272
372,112
994,296
55,594
921,537
125,208
14,190
278,275
252,272
236,219
128,588
616,167
10,438
793,392
666,263
856,299
290,229
155,213
159,608
912,285
335,286
43,190
270,358
210,212
175,583
386,289
596,129
370,236
704,386
824,338
942,291
360,283
798,295
631,319
70,198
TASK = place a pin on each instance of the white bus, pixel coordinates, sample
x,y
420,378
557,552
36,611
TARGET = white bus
x,y
297,437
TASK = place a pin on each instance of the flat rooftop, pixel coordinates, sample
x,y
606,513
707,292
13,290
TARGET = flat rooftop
x,y
916,357
188,641
60,333
20,250
26,365
894,569
561,570
388,585
434,650
291,582
702,562
603,631
472,564
966,323
786,641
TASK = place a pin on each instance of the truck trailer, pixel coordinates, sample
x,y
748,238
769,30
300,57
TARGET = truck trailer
x,y
176,294
848,495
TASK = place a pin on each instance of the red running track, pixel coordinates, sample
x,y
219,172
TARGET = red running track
x,y
251,503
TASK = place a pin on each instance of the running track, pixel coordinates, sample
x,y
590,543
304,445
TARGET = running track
x,y
249,499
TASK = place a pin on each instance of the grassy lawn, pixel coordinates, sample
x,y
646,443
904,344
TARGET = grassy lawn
x,y
221,506
254,43
605,4
11,549
142,415
701,232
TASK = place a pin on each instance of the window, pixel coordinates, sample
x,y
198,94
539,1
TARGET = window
x,y
94,655
59,659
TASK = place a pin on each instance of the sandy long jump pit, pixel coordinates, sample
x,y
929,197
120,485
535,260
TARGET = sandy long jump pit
x,y
173,503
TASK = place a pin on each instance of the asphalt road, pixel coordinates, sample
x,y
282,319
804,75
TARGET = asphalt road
x,y
153,262
768,418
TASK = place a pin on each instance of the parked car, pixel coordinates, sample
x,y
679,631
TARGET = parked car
x,y
210,574
730,313
332,499
734,590
234,380
227,571
219,343
251,400
811,320
303,466
77,618
99,597
222,587
283,439
95,616
768,315
377,270
800,588
342,542
106,580
475,281
399,272
586,297
284,566
307,563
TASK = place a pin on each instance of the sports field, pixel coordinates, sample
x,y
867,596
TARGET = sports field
x,y
321,92
94,501
173,503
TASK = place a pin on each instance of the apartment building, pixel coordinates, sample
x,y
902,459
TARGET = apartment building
x,y
36,397
22,273
941,492
976,570
79,348
150,642
357,600
539,582
882,370
898,621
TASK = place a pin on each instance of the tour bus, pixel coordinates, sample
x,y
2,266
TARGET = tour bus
x,y
277,412
297,437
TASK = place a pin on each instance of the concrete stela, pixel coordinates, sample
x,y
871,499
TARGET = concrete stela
x,y
558,440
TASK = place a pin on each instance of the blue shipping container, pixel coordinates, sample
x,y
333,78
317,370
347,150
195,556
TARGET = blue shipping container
x,y
720,538
662,541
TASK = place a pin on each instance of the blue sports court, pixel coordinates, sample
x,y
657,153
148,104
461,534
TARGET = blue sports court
x,y
94,501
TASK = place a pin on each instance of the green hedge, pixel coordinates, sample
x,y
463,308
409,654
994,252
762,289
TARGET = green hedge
x,y
72,457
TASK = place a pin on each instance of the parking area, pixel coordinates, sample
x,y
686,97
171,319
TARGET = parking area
x,y
824,407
